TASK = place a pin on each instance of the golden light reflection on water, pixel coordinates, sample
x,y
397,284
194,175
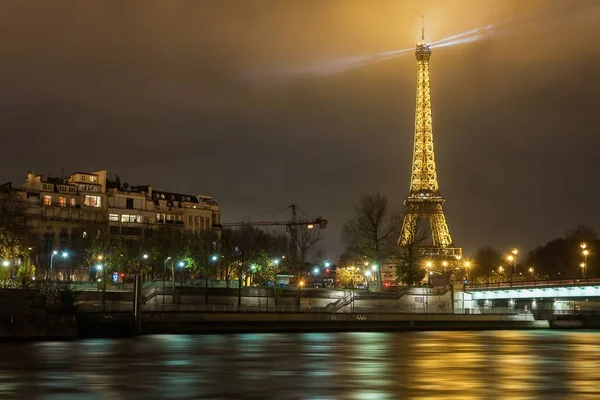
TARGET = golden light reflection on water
x,y
324,366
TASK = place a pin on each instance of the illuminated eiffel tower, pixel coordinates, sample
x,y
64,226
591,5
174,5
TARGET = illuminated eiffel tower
x,y
424,224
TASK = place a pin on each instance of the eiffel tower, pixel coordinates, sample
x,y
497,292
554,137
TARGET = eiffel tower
x,y
423,209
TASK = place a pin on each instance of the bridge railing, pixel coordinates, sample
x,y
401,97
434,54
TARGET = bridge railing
x,y
222,308
532,284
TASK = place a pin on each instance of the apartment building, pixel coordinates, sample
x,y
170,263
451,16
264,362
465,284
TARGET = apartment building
x,y
63,211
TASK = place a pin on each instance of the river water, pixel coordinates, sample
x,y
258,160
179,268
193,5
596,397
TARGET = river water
x,y
368,366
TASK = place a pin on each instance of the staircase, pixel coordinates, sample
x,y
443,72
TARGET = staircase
x,y
339,303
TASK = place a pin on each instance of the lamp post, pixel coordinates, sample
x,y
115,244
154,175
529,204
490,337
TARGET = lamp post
x,y
585,260
165,280
468,267
531,272
515,252
63,254
54,252
428,264
582,265
445,265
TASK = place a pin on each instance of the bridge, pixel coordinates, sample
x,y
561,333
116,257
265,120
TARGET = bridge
x,y
567,289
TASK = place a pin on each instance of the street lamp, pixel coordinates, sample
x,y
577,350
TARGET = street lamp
x,y
165,280
582,265
5,263
327,264
54,253
515,252
145,256
531,272
468,267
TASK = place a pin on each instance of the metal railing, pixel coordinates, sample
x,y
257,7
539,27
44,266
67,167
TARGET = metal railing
x,y
227,308
532,283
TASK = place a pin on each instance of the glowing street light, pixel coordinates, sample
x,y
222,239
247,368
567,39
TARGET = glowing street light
x,y
531,272
99,267
316,271
468,267
515,252
165,280
145,256
5,263
367,274
327,264
276,261
214,257
582,265
54,253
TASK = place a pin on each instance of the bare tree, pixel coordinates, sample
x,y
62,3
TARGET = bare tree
x,y
310,249
487,262
410,257
373,232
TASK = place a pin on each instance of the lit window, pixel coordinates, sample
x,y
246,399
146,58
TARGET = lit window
x,y
62,201
93,201
135,218
47,200
168,217
113,217
84,234
93,178
157,217
164,218
125,218
72,202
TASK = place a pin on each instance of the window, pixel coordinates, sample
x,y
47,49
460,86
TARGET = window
x,y
62,201
125,218
84,234
157,217
135,218
47,200
93,178
190,220
72,202
164,218
113,217
207,222
129,203
197,222
92,201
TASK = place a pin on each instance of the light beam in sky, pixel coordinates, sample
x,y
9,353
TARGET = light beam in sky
x,y
339,65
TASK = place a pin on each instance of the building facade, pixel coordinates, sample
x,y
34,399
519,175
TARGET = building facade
x,y
63,211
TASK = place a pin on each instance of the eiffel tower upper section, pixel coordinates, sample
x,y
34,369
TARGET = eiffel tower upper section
x,y
424,176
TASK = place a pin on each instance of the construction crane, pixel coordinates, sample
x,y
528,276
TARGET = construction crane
x,y
291,224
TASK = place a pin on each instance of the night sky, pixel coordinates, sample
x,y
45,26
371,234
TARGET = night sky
x,y
237,100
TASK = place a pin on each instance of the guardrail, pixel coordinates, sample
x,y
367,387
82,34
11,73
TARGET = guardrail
x,y
528,284
223,308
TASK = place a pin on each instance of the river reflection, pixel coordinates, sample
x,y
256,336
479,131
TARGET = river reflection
x,y
362,366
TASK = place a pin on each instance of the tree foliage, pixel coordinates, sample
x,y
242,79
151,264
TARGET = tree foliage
x,y
561,257
14,238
